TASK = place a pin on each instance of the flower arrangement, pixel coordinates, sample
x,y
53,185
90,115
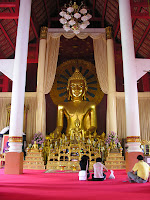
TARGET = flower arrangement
x,y
112,138
38,137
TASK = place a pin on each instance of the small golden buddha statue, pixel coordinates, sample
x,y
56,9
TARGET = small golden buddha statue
x,y
80,114
34,147
103,136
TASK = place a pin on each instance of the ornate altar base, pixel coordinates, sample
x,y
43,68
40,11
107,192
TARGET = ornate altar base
x,y
34,158
115,161
64,153
60,172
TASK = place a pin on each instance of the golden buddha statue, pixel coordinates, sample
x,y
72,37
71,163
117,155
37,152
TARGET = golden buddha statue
x,y
80,114
34,147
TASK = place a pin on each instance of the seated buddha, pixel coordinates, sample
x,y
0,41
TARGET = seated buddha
x,y
80,114
34,147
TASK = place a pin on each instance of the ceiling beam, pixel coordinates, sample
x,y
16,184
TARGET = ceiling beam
x,y
134,19
134,16
8,16
104,12
34,23
7,4
117,29
16,21
94,7
33,27
143,37
144,3
140,15
47,13
10,42
10,5
17,7
116,24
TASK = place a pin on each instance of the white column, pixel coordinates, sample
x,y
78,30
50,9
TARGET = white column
x,y
111,97
130,83
41,107
19,77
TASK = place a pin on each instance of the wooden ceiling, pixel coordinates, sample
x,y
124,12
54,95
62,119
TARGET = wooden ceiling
x,y
46,13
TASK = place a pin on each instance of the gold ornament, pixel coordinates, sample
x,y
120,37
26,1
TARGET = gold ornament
x,y
109,32
133,139
76,76
43,33
15,139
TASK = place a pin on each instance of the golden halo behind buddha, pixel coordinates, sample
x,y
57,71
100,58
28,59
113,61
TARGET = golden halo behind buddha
x,y
76,69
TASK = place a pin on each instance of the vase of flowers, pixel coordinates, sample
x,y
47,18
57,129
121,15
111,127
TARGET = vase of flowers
x,y
38,137
112,141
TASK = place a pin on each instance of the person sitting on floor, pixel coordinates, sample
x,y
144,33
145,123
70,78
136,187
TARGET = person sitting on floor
x,y
83,164
140,171
98,168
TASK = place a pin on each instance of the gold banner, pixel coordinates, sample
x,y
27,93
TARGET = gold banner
x,y
15,139
133,139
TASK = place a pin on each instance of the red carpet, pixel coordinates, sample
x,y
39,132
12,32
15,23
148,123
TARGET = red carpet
x,y
34,184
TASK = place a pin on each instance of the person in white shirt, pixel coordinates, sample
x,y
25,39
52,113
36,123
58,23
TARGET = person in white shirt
x,y
98,168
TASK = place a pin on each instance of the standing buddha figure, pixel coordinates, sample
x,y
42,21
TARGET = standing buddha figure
x,y
80,114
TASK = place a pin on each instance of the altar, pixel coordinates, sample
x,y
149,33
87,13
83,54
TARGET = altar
x,y
63,150
68,154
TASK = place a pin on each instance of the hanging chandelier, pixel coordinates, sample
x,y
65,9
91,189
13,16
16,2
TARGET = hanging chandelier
x,y
74,17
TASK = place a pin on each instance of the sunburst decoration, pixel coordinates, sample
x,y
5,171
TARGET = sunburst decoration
x,y
58,92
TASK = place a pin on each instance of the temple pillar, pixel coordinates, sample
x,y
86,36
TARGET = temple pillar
x,y
130,84
14,158
41,106
111,97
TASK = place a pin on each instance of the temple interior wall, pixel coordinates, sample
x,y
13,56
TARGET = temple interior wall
x,y
30,99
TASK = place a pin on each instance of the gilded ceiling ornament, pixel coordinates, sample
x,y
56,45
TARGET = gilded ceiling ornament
x,y
109,32
43,33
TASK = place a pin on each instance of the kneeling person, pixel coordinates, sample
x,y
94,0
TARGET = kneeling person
x,y
98,168
140,171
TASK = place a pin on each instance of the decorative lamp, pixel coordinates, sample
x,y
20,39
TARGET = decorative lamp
x,y
74,17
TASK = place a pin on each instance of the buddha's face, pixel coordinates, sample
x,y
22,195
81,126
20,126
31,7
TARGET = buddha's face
x,y
77,88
